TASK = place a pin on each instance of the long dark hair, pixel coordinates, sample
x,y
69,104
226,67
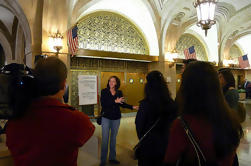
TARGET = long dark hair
x,y
228,77
201,95
156,91
117,82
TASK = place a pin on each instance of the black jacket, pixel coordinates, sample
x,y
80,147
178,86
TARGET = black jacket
x,y
154,144
232,98
110,109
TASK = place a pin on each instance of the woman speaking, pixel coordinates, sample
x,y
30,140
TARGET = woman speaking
x,y
111,101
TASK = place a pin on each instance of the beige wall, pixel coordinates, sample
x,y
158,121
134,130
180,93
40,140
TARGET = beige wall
x,y
53,21
248,75
44,21
33,11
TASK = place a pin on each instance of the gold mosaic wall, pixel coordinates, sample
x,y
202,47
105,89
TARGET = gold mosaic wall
x,y
109,31
186,41
89,66
108,65
234,53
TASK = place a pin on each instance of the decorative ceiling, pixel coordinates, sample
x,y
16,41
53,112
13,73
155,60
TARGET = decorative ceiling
x,y
231,15
233,18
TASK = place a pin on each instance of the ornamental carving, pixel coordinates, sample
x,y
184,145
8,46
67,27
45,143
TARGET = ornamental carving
x,y
234,53
109,31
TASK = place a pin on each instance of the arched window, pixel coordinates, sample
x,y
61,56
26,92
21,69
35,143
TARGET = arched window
x,y
186,41
108,31
234,53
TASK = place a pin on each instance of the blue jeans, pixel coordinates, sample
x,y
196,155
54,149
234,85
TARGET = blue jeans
x,y
107,127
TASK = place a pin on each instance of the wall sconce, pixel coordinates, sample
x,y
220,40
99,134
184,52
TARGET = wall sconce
x,y
226,62
229,63
55,42
170,57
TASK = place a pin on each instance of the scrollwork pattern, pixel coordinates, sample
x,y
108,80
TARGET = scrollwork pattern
x,y
109,31
186,41
234,53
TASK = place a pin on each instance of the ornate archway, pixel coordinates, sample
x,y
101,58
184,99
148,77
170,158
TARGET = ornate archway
x,y
109,31
6,48
187,40
234,53
22,29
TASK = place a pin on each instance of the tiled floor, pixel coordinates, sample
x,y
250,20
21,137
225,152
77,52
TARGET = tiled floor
x,y
127,138
244,150
89,154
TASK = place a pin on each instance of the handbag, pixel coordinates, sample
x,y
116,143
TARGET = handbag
x,y
202,161
99,119
139,144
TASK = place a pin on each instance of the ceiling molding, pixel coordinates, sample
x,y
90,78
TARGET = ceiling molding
x,y
225,11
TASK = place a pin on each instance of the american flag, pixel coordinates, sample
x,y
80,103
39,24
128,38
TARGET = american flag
x,y
243,61
190,53
73,39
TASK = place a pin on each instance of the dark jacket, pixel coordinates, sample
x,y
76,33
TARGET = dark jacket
x,y
232,98
110,109
154,144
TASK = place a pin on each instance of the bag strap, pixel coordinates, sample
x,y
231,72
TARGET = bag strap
x,y
196,146
142,138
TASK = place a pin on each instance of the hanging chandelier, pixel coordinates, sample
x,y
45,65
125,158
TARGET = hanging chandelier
x,y
205,13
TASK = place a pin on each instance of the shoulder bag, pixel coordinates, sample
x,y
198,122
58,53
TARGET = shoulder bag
x,y
99,118
139,144
200,155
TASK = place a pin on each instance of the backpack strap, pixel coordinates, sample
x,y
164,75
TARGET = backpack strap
x,y
191,138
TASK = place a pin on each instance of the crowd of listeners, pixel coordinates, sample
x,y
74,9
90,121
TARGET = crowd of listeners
x,y
50,132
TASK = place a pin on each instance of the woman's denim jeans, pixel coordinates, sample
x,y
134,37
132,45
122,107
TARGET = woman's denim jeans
x,y
107,127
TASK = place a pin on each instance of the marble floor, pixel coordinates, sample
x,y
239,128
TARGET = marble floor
x,y
244,150
126,140
89,154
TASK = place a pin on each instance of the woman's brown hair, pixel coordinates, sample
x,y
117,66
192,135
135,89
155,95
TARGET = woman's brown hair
x,y
201,95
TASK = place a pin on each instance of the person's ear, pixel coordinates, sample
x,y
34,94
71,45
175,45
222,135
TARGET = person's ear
x,y
63,85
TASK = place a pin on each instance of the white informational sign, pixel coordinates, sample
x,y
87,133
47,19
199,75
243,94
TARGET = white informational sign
x,y
87,89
